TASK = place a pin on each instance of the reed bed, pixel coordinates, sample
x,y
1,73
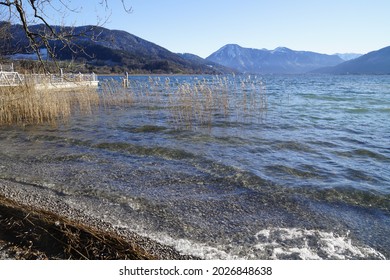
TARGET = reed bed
x,y
199,102
189,103
112,93
24,104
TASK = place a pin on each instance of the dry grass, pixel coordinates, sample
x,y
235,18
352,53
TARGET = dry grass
x,y
112,93
189,103
203,102
197,102
23,105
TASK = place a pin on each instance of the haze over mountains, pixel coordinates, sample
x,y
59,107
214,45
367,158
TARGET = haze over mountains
x,y
280,60
287,61
376,62
348,56
118,51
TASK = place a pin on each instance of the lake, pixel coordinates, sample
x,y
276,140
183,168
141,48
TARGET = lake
x,y
279,167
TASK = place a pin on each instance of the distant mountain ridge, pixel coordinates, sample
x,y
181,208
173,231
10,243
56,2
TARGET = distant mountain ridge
x,y
376,62
197,59
280,60
348,56
116,51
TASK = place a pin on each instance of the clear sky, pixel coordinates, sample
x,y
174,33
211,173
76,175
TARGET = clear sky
x,y
203,26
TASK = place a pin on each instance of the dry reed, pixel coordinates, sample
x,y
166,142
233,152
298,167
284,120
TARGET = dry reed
x,y
25,104
112,93
194,102
189,102
221,98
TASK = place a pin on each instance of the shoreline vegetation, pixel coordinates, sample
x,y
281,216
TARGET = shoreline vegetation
x,y
188,104
103,68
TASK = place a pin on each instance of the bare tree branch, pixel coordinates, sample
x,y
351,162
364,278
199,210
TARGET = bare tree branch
x,y
48,36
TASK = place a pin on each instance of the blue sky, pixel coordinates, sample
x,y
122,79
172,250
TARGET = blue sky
x,y
203,26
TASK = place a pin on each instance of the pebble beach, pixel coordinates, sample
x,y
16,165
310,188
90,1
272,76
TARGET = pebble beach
x,y
36,224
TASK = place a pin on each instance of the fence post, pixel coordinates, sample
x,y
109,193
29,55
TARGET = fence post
x,y
126,81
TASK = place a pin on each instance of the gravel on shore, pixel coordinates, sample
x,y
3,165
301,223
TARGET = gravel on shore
x,y
35,223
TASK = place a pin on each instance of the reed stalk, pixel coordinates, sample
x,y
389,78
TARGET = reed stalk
x,y
25,104
189,103
201,102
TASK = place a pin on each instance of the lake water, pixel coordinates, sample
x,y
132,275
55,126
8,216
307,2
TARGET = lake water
x,y
304,176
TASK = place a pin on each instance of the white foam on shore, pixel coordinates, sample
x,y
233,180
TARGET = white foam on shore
x,y
306,244
278,243
270,243
189,247
274,243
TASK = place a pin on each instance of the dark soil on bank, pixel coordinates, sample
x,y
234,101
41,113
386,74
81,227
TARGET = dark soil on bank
x,y
30,233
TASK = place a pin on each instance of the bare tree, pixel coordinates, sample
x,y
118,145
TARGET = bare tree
x,y
4,37
29,12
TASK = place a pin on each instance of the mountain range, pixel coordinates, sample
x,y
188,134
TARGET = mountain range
x,y
348,56
105,50
115,51
376,62
279,60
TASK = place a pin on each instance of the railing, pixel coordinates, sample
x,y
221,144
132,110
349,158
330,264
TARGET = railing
x,y
57,79
10,78
7,68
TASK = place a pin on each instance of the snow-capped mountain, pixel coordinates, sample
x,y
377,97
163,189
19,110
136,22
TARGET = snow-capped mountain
x,y
279,60
348,56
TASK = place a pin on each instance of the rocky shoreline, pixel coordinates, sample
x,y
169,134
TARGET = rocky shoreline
x,y
37,224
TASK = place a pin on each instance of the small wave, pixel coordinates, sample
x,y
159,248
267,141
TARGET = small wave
x,y
357,110
360,175
186,246
293,146
144,129
322,143
306,171
296,243
384,110
363,153
352,196
277,243
145,151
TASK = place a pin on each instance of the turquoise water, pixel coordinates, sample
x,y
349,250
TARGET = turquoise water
x,y
306,176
